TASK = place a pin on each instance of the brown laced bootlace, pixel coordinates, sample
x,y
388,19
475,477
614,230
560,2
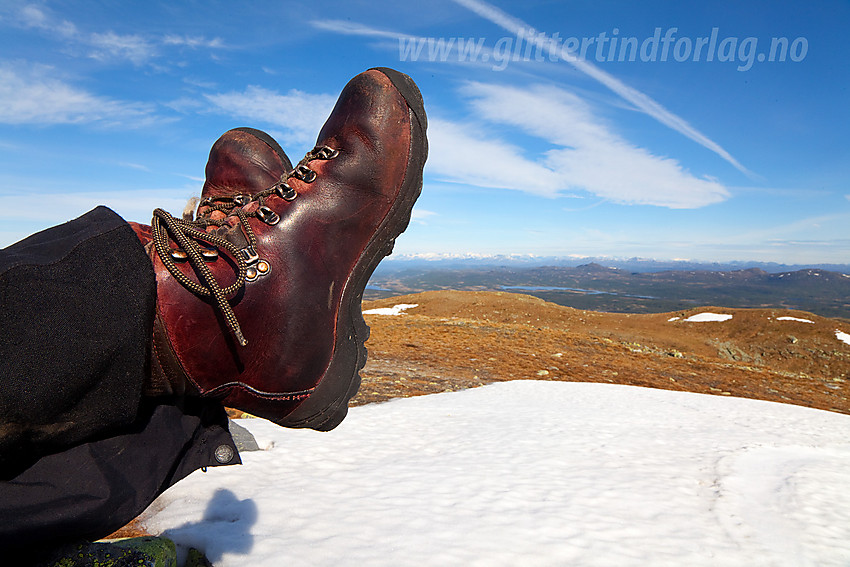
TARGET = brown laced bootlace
x,y
187,235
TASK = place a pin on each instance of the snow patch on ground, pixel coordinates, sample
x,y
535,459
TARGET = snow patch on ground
x,y
794,319
843,337
394,310
531,473
671,319
708,317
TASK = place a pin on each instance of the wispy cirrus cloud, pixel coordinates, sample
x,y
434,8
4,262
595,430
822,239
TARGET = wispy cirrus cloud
x,y
643,102
32,16
194,42
110,46
829,225
101,45
34,95
411,46
353,28
587,154
300,115
419,215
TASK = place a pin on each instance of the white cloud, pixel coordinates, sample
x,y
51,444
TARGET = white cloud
x,y
200,83
34,17
34,96
639,100
193,42
459,153
588,155
832,226
132,205
413,47
192,177
419,215
111,45
422,214
643,102
299,114
138,166
353,28
107,45
56,208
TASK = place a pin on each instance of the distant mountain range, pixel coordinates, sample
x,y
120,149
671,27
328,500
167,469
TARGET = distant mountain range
x,y
398,262
595,287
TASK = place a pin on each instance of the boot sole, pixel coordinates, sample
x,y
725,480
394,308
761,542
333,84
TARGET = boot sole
x,y
327,406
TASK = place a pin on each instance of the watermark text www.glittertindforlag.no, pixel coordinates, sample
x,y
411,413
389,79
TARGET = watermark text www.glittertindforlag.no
x,y
662,45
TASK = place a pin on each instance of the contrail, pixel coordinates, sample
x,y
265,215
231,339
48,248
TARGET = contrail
x,y
637,98
352,28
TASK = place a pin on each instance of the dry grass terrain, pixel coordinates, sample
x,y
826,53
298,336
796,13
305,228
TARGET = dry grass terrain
x,y
455,340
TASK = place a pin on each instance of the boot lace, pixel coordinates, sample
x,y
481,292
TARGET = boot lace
x,y
190,234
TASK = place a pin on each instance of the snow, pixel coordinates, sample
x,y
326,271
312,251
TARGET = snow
x,y
394,310
794,319
671,319
531,473
843,337
707,317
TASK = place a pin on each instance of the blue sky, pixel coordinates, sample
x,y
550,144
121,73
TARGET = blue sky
x,y
709,131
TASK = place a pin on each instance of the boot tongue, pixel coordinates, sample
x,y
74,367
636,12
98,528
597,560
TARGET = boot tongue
x,y
243,161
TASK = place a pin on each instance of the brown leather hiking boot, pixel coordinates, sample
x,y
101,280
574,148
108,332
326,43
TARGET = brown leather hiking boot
x,y
264,313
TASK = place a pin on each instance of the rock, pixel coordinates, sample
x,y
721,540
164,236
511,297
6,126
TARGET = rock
x,y
197,559
242,437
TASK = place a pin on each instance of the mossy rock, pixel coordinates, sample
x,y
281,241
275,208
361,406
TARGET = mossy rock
x,y
197,559
132,552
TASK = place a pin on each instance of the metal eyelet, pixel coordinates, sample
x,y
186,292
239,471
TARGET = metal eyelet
x,y
209,253
241,200
255,271
268,216
305,174
249,255
285,192
325,152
